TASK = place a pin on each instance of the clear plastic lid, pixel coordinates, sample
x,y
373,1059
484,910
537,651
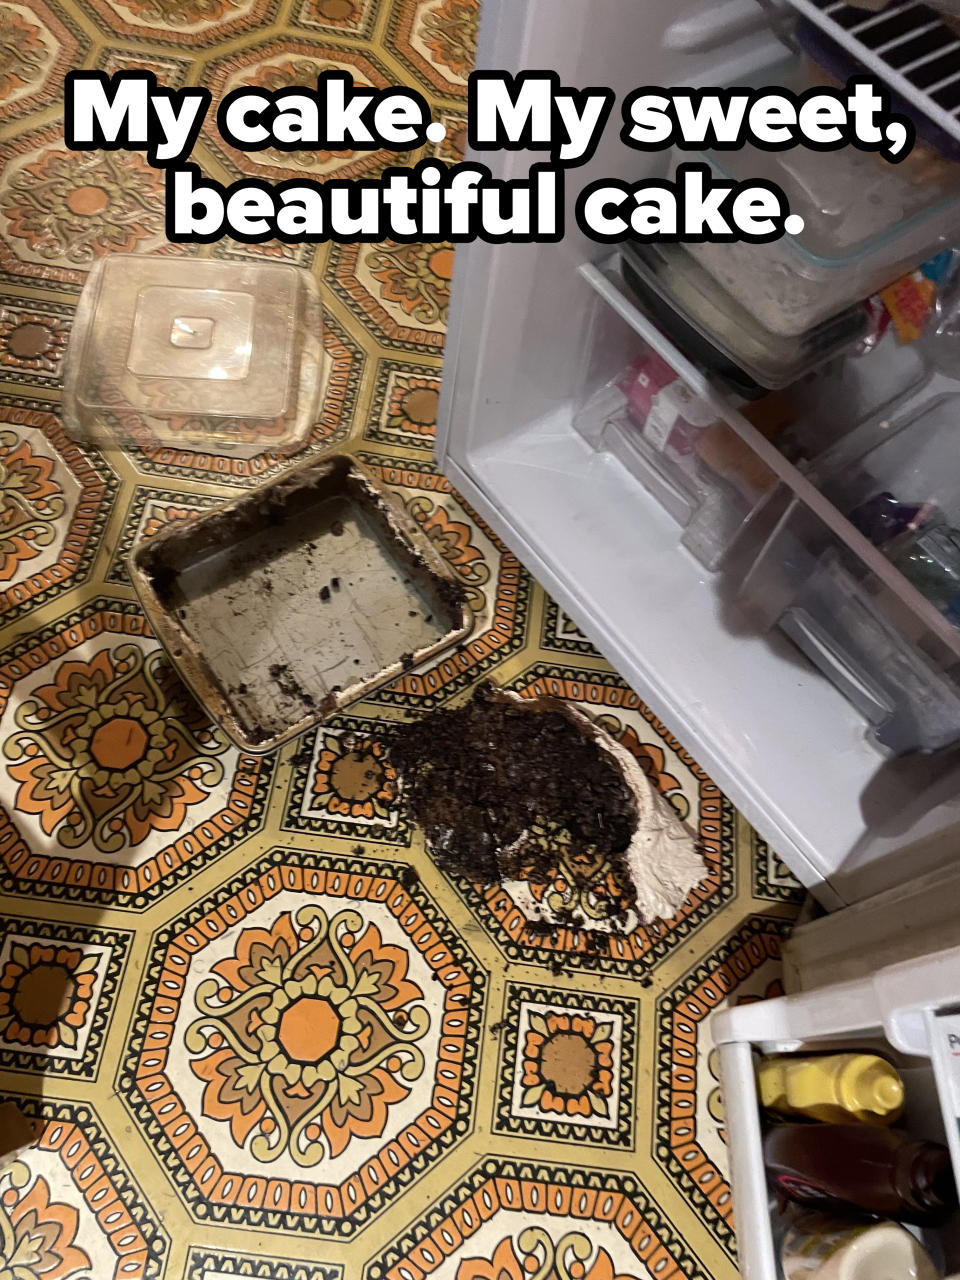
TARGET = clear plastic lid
x,y
194,353
772,360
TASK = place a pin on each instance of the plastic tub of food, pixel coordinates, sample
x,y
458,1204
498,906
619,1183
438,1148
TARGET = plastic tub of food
x,y
866,223
291,602
719,333
222,356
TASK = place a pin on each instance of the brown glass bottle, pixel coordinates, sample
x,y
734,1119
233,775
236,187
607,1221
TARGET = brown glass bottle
x,y
852,1166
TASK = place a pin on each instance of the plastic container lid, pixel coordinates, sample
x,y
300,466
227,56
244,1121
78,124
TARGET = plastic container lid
x,y
194,353
725,326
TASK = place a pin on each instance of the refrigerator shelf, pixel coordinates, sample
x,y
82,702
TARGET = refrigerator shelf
x,y
605,279
908,45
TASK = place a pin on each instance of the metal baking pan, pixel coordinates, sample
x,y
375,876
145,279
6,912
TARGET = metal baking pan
x,y
302,596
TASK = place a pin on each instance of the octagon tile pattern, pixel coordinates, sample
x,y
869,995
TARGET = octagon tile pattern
x,y
111,773
689,1141
304,1043
312,1054
293,64
517,1221
73,1208
36,47
180,22
54,504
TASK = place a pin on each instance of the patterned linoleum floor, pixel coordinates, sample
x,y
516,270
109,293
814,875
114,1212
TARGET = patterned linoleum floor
x,y
259,1034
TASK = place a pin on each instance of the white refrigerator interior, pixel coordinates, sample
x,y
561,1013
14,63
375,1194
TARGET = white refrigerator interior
x,y
787,748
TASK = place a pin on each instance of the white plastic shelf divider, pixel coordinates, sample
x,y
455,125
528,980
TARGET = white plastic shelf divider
x,y
862,33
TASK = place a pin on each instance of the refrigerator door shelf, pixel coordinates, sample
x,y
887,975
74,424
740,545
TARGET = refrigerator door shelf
x,y
899,1004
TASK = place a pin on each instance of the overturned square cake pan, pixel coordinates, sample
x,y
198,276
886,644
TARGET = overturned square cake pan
x,y
297,599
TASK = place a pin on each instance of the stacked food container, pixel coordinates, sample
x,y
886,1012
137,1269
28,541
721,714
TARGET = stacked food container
x,y
762,407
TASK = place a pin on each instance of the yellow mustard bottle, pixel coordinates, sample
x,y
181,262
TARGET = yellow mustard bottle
x,y
837,1088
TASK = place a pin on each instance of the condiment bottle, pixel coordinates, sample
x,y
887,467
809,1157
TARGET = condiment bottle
x,y
818,1247
859,1167
839,1088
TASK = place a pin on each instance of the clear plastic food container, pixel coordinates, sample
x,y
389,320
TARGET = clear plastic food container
x,y
196,354
899,485
866,223
915,459
716,331
637,407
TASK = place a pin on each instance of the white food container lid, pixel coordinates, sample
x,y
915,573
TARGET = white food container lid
x,y
194,353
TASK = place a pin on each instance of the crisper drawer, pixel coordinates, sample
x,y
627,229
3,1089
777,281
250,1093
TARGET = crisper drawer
x,y
857,633
674,443
748,510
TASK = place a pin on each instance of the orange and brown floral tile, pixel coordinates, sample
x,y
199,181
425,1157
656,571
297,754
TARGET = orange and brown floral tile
x,y
33,340
72,1208
405,405
399,292
115,783
290,63
336,17
61,210
37,45
55,500
59,987
435,41
308,1035
689,1141
258,1032
171,71
178,22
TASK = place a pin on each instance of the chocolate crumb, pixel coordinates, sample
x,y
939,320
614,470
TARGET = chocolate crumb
x,y
503,792
324,594
337,528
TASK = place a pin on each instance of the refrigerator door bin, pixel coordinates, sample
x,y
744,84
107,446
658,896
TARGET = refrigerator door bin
x,y
890,1013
